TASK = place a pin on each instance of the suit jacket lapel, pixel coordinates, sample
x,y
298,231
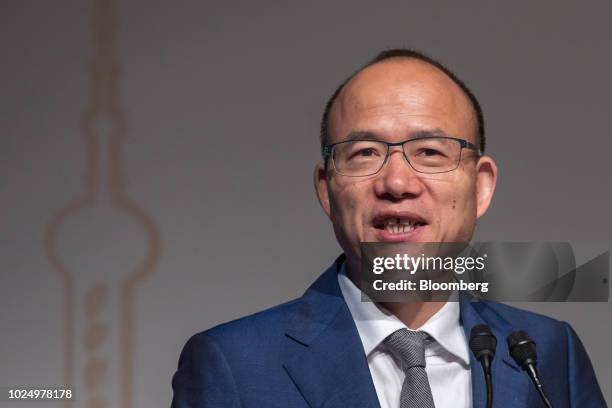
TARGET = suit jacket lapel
x,y
509,382
330,367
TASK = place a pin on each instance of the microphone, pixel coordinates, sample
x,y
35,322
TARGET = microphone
x,y
523,351
482,344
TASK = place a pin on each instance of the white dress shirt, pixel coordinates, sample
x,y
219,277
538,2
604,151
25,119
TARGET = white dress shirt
x,y
446,358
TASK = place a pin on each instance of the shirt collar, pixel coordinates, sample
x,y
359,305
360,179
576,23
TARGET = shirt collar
x,y
374,323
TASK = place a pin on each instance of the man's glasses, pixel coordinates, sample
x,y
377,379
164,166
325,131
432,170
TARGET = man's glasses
x,y
429,154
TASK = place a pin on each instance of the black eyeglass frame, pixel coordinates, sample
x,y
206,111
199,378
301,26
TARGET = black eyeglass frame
x,y
328,150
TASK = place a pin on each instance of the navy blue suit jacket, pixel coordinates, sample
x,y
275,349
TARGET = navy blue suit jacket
x,y
307,353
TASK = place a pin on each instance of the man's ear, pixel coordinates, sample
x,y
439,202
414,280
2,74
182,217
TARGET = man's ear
x,y
321,184
486,179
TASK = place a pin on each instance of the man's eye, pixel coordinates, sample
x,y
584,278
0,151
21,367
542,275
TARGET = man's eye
x,y
367,152
429,152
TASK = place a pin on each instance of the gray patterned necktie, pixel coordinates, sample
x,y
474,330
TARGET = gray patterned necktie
x,y
409,346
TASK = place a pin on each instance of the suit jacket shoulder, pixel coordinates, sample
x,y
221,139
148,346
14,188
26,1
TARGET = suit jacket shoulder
x,y
219,367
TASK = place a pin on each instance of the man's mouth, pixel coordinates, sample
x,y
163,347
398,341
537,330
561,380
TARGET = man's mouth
x,y
398,223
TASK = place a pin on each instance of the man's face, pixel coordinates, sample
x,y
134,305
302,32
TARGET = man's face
x,y
394,101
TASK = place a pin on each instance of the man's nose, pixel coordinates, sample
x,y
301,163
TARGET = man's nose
x,y
397,179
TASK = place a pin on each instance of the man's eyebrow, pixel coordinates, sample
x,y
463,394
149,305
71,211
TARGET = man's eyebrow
x,y
362,135
369,135
428,133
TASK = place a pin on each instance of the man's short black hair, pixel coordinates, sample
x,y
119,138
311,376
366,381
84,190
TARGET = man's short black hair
x,y
397,53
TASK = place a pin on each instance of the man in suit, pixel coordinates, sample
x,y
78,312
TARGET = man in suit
x,y
403,145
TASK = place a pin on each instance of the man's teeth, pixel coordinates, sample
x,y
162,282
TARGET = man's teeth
x,y
397,226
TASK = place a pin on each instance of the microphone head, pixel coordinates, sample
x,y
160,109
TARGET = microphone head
x,y
522,348
482,341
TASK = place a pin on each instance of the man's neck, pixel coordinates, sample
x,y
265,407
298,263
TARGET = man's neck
x,y
412,314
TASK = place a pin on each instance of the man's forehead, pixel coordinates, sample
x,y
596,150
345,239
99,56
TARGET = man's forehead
x,y
402,87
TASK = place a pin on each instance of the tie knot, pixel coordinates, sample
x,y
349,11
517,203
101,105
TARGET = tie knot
x,y
409,346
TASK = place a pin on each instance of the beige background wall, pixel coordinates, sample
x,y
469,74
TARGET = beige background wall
x,y
142,204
